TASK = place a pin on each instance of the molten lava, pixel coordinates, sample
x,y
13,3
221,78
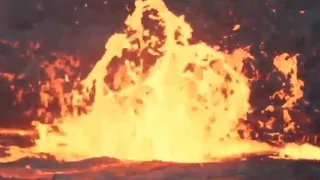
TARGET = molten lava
x,y
186,107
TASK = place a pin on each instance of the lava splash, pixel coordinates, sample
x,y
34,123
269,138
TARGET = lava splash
x,y
171,99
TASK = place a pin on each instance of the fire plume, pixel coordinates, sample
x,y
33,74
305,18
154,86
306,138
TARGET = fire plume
x,y
169,99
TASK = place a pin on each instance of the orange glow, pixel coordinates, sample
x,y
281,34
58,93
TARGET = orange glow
x,y
236,27
169,112
288,66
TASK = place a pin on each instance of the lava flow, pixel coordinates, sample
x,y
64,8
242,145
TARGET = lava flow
x,y
171,100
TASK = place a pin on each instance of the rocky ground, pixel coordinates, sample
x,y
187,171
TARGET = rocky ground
x,y
258,167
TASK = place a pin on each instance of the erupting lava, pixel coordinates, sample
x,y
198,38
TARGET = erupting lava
x,y
186,107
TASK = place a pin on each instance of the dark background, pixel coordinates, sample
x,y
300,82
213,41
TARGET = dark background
x,y
73,28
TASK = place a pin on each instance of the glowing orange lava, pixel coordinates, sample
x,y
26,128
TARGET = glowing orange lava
x,y
170,112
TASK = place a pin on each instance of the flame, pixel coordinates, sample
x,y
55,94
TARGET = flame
x,y
186,106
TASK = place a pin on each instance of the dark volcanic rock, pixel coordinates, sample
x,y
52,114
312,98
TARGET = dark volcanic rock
x,y
259,167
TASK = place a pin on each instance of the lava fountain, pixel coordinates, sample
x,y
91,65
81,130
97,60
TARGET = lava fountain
x,y
185,107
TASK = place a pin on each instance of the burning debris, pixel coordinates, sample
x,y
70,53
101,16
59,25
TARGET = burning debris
x,y
156,94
